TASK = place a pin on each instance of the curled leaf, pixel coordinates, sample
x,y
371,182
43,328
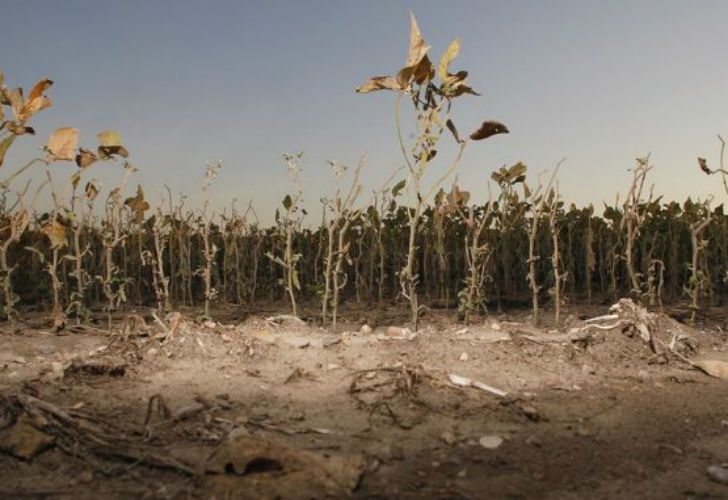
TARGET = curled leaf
x,y
62,144
489,129
84,158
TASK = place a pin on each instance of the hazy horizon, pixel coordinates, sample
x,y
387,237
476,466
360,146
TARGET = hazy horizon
x,y
187,82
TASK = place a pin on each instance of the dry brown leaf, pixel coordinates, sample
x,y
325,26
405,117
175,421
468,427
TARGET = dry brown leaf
x,y
56,233
137,205
62,144
450,54
378,83
418,66
84,158
109,138
489,129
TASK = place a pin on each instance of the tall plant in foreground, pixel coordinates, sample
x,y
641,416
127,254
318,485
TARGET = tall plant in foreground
x,y
290,220
431,93
210,249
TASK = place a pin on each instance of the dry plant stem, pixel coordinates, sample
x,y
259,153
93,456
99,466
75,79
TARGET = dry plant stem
x,y
211,172
477,255
697,278
634,218
343,216
540,196
408,277
555,255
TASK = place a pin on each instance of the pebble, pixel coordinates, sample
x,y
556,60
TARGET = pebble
x,y
490,442
718,474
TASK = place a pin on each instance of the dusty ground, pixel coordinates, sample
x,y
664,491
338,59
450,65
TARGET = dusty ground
x,y
259,409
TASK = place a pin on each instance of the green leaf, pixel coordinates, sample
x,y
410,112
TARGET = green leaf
x,y
399,187
4,146
287,202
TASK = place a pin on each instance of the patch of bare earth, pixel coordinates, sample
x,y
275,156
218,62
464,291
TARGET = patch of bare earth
x,y
274,407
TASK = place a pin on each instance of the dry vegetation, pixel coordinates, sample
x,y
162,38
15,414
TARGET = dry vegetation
x,y
152,277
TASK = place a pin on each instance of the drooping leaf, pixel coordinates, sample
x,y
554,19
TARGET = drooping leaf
x,y
84,158
451,53
4,146
453,130
702,163
489,129
378,83
62,144
37,101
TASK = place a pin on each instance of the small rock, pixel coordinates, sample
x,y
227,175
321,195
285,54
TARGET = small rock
x,y
531,413
643,375
495,326
490,442
718,474
152,352
588,369
462,473
365,329
533,441
464,356
448,438
209,324
297,342
86,477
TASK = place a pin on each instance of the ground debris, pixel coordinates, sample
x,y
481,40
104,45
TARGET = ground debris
x,y
247,467
96,367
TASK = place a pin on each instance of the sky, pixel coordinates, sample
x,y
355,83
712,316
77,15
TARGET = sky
x,y
185,82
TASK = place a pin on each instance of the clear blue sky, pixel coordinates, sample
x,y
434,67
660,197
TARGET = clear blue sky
x,y
183,82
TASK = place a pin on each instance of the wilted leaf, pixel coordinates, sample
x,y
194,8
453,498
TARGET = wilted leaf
x,y
91,191
56,233
378,83
451,127
37,91
16,129
287,202
4,146
489,129
62,144
75,179
84,158
450,54
138,205
24,109
702,163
